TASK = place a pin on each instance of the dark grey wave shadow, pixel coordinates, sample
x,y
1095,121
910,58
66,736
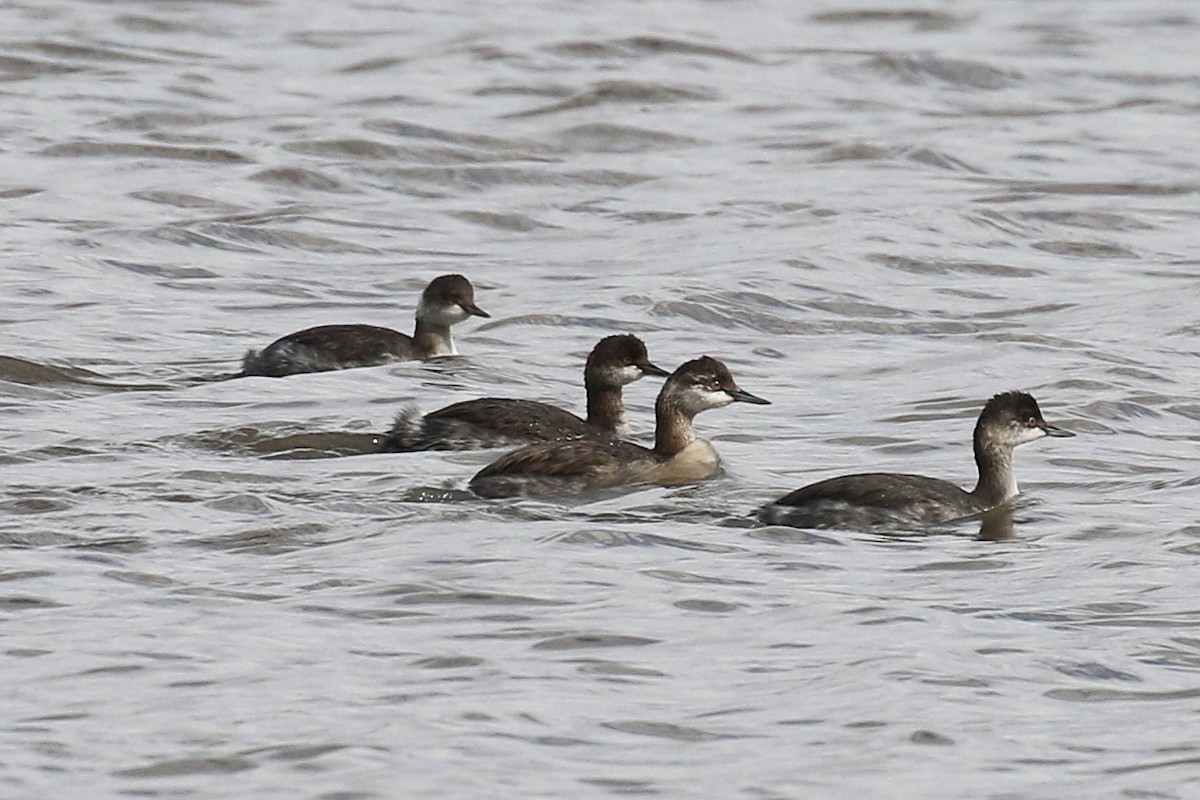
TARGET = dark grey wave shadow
x,y
209,155
282,441
608,137
254,235
645,46
33,373
302,178
609,92
431,181
918,19
472,140
621,538
910,69
298,755
665,730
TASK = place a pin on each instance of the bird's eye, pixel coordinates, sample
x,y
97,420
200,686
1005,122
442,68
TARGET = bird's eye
x,y
714,385
1032,422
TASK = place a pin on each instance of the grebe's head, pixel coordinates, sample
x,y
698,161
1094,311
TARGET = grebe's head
x,y
1013,418
447,300
704,383
618,360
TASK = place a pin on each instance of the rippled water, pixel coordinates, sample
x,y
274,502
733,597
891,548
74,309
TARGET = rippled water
x,y
878,215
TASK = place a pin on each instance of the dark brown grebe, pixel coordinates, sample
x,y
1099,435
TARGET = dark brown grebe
x,y
508,422
678,457
880,499
446,300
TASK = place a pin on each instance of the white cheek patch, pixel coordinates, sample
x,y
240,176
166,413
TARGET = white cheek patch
x,y
620,376
716,399
629,374
1029,435
441,314
696,399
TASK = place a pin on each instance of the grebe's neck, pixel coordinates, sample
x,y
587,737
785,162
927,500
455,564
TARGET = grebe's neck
x,y
605,407
997,481
673,427
433,340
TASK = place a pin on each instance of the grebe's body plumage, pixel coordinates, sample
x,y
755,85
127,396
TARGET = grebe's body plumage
x,y
508,422
446,301
677,457
879,499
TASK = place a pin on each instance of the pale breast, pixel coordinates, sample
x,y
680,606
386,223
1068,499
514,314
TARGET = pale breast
x,y
694,463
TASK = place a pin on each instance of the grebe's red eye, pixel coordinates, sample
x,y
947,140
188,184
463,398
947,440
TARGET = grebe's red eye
x,y
1032,422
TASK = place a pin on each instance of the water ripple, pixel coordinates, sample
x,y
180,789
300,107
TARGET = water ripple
x,y
613,92
211,155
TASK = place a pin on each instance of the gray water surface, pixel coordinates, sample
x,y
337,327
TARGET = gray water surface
x,y
878,215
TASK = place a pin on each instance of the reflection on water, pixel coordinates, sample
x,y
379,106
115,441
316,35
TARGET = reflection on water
x,y
997,524
287,444
878,217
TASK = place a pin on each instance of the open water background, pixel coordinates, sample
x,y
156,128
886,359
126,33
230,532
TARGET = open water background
x,y
878,214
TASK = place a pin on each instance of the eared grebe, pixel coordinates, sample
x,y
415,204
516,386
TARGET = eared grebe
x,y
507,422
445,301
678,456
887,499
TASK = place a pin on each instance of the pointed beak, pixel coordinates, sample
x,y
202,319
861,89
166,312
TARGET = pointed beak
x,y
745,397
1053,431
474,310
652,369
